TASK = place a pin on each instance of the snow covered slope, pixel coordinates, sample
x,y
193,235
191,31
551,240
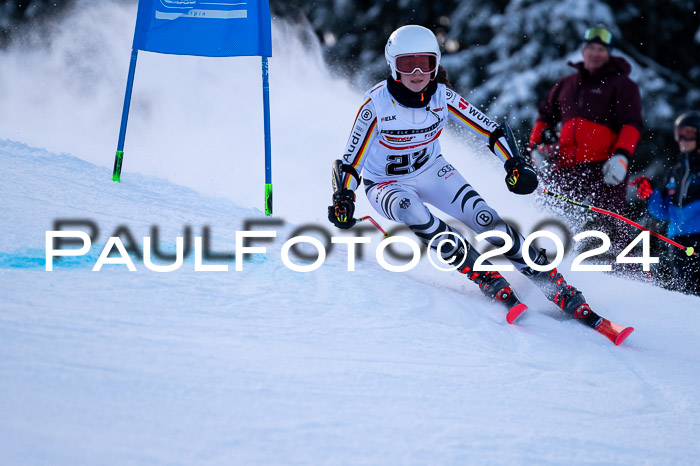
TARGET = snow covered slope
x,y
267,365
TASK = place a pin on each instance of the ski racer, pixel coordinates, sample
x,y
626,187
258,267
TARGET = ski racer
x,y
395,143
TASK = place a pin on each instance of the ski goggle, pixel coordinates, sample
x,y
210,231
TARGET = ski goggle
x,y
599,33
423,62
685,133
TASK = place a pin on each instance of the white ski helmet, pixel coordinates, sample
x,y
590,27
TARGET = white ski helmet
x,y
412,40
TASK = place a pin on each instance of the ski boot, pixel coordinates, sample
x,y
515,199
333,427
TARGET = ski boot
x,y
492,284
572,302
496,287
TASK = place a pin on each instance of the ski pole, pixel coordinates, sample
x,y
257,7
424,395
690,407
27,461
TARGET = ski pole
x,y
367,217
688,250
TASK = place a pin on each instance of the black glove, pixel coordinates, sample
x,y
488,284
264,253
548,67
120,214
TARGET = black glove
x,y
521,178
341,212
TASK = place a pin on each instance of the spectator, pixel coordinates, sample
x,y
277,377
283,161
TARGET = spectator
x,y
677,200
599,108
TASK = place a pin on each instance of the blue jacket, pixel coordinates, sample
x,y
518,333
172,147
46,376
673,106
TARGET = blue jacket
x,y
678,200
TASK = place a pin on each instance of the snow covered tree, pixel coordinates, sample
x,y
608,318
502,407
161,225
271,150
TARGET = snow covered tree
x,y
16,13
503,54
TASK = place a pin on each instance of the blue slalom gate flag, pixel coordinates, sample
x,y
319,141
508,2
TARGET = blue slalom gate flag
x,y
210,28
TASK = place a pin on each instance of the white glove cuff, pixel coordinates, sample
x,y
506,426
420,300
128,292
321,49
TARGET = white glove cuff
x,y
615,169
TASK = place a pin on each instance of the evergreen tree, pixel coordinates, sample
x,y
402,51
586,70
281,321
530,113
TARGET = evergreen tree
x,y
506,54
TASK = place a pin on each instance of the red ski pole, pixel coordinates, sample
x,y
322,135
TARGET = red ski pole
x,y
688,250
367,217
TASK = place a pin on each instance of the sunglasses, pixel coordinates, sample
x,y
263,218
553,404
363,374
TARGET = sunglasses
x,y
600,33
685,134
424,62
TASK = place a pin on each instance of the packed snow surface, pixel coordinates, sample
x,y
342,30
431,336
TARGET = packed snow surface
x,y
268,365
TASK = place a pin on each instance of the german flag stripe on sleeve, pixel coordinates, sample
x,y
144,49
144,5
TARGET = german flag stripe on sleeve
x,y
362,150
361,107
470,124
502,150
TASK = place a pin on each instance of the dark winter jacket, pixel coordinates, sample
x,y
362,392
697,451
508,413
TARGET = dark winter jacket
x,y
601,113
678,199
